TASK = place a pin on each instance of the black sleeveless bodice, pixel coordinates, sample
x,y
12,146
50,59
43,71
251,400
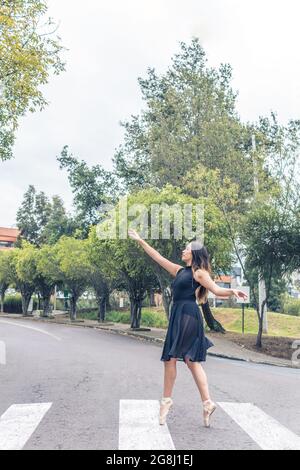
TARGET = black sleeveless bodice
x,y
185,337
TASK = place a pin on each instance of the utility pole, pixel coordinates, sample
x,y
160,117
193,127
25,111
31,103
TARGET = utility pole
x,y
261,281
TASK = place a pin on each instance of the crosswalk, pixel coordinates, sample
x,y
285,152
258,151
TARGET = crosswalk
x,y
139,428
19,422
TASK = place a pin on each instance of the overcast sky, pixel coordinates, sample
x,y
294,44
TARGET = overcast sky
x,y
112,42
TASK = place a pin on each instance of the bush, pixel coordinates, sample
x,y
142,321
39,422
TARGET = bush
x,y
13,304
291,306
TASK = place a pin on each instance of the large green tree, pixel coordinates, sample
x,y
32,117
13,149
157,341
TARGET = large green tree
x,y
74,268
47,275
265,235
29,51
189,119
92,187
24,272
42,221
214,230
122,262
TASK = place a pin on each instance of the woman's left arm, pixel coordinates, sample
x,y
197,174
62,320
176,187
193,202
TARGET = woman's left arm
x,y
203,277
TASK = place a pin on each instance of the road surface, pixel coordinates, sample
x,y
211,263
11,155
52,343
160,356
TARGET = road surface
x,y
64,387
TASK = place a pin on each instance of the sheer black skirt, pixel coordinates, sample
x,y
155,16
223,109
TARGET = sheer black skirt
x,y
185,338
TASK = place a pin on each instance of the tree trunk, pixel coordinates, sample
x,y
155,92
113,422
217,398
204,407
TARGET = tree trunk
x,y
102,309
211,322
73,308
259,335
3,290
261,324
46,306
135,312
107,301
26,297
2,301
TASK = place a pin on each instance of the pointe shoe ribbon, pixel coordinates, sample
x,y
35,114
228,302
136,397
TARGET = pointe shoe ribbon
x,y
165,405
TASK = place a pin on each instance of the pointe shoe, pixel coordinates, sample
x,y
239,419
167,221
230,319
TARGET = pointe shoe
x,y
165,404
208,409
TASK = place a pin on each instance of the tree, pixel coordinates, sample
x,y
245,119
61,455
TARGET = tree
x,y
47,275
59,223
23,272
5,276
99,279
74,268
33,215
91,187
270,218
123,263
135,263
270,237
218,244
29,52
42,221
189,119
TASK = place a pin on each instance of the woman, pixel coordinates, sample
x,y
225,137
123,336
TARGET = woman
x,y
185,339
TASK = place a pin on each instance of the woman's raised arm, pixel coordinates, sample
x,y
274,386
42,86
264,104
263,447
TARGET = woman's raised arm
x,y
172,268
203,277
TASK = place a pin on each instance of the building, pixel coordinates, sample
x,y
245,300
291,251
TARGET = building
x,y
294,285
232,281
8,236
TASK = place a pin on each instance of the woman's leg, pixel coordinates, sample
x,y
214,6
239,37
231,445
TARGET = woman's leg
x,y
200,378
169,376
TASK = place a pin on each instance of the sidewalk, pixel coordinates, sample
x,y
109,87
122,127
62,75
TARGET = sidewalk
x,y
222,347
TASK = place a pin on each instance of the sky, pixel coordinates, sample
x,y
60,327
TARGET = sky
x,y
112,43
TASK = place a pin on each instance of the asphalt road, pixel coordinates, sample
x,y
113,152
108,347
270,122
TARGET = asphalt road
x,y
86,373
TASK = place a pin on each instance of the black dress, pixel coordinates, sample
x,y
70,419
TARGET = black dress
x,y
185,335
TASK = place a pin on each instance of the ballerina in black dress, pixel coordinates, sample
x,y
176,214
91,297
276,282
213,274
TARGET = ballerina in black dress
x,y
185,339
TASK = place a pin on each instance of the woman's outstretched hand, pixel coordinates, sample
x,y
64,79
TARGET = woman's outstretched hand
x,y
134,235
239,294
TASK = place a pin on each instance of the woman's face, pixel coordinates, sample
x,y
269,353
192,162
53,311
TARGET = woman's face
x,y
187,254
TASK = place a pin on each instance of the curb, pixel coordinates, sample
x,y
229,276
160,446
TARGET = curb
x,y
152,339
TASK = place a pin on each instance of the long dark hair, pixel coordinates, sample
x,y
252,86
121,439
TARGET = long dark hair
x,y
201,260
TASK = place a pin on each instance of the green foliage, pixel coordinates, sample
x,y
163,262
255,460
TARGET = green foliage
x,y
29,52
13,304
41,220
72,260
189,119
91,187
290,306
5,268
149,318
73,267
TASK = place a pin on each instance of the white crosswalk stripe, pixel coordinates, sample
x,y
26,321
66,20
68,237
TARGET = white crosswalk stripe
x,y
19,422
268,433
139,426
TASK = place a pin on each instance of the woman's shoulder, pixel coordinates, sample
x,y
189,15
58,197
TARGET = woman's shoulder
x,y
180,269
198,273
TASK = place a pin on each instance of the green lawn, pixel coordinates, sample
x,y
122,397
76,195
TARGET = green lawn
x,y
278,324
231,319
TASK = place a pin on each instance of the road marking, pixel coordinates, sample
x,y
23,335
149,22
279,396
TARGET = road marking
x,y
268,433
139,426
19,422
31,328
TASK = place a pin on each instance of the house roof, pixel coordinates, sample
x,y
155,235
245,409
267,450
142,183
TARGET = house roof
x,y
226,279
9,234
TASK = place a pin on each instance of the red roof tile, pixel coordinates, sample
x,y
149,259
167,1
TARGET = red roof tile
x,y
8,234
